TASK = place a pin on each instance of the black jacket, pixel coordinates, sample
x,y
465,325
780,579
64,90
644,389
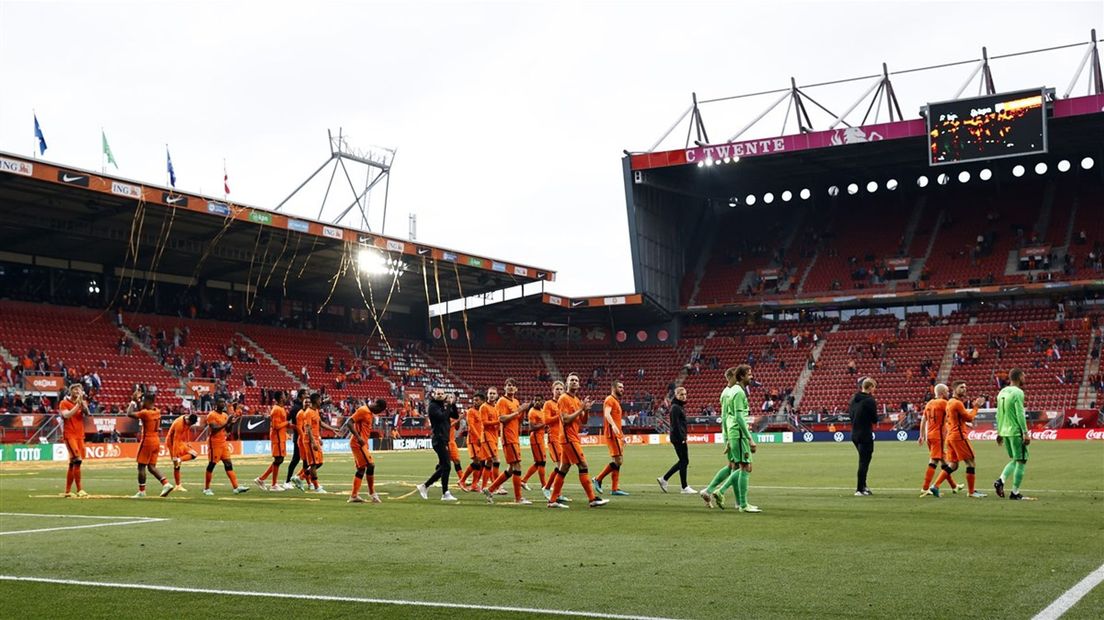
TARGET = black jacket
x,y
864,415
440,418
678,422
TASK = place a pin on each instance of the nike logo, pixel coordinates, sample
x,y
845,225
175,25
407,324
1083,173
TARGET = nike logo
x,y
251,425
69,179
174,199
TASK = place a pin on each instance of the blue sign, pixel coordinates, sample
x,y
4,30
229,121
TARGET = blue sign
x,y
298,225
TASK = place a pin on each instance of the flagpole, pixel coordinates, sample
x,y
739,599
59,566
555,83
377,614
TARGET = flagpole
x,y
103,151
34,150
224,179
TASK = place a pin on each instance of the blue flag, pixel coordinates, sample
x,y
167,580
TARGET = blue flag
x,y
172,173
41,138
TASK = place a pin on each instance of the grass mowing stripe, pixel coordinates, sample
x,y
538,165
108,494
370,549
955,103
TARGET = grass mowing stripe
x,y
339,599
1070,597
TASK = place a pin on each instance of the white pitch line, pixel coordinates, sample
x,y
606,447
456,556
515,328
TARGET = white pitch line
x,y
28,514
1063,603
331,598
129,521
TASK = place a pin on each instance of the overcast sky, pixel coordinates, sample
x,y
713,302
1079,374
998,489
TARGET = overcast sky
x,y
509,117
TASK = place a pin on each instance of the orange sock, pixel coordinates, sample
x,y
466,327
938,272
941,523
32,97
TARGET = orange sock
x,y
954,485
206,479
489,474
266,473
540,472
587,486
499,480
275,475
517,485
970,482
529,474
551,478
77,478
607,470
69,479
928,477
176,475
942,476
557,486
371,484
356,486
233,478
616,479
464,476
494,471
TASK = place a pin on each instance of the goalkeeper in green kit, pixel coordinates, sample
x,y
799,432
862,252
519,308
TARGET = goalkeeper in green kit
x,y
739,445
1012,433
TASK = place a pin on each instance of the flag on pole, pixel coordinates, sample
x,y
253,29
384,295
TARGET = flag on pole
x,y
41,138
225,179
172,173
107,150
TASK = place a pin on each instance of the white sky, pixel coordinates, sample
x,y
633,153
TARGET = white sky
x,y
509,117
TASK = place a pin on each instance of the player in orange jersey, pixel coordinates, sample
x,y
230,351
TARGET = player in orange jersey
x,y
509,415
150,419
573,412
278,435
615,439
178,444
452,400
73,409
552,421
958,444
536,442
217,448
360,436
477,445
311,425
491,425
931,431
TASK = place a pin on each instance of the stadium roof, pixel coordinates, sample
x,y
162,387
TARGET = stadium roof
x,y
50,211
632,309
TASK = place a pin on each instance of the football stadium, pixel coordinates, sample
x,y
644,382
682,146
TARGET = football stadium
x,y
858,375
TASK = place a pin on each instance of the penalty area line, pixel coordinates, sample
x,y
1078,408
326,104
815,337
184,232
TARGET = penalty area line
x,y
1069,598
329,598
116,522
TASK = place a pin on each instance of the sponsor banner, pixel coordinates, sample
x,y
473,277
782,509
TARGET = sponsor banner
x,y
174,200
260,217
201,388
578,303
49,384
1035,251
521,271
126,189
449,256
497,266
898,264
298,225
100,451
771,273
555,300
21,452
16,167
254,424
507,335
786,437
704,438
105,424
475,262
614,301
218,208
395,246
411,443
845,436
1048,434
422,250
73,178
333,233
21,420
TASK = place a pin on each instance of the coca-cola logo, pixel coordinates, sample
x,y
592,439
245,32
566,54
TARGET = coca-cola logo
x,y
1045,435
989,435
1094,434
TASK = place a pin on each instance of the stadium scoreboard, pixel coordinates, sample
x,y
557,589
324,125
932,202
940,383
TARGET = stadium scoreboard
x,y
989,127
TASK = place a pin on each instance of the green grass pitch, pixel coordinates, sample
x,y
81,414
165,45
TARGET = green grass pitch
x,y
815,551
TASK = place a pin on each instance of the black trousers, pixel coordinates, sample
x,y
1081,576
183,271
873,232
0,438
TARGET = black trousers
x,y
444,465
294,459
866,452
683,462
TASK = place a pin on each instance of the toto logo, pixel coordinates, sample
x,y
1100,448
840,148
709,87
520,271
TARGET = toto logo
x,y
902,436
807,436
837,437
1094,434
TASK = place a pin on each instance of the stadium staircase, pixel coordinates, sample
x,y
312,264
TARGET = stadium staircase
x,y
1087,394
271,359
808,270
807,373
448,372
181,388
948,356
550,363
8,358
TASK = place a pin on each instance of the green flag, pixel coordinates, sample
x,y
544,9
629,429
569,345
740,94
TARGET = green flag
x,y
107,150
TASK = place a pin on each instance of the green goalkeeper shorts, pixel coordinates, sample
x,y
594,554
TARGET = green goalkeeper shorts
x,y
1015,448
739,450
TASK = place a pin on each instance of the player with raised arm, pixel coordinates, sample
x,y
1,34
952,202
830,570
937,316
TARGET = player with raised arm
x,y
453,401
73,409
573,413
552,420
615,439
932,431
1013,434
958,441
491,427
477,450
510,411
537,444
217,448
360,436
150,419
277,435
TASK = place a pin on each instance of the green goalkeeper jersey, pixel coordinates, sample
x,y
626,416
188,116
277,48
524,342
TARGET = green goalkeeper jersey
x,y
1011,421
734,413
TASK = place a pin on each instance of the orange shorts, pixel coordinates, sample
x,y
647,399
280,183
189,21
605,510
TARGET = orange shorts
x,y
315,457
75,446
538,450
555,450
616,446
179,449
491,446
218,452
147,454
512,452
959,450
279,444
362,456
475,451
935,448
454,451
573,453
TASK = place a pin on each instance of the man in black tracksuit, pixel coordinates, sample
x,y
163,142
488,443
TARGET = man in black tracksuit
x,y
678,442
864,415
293,412
441,416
